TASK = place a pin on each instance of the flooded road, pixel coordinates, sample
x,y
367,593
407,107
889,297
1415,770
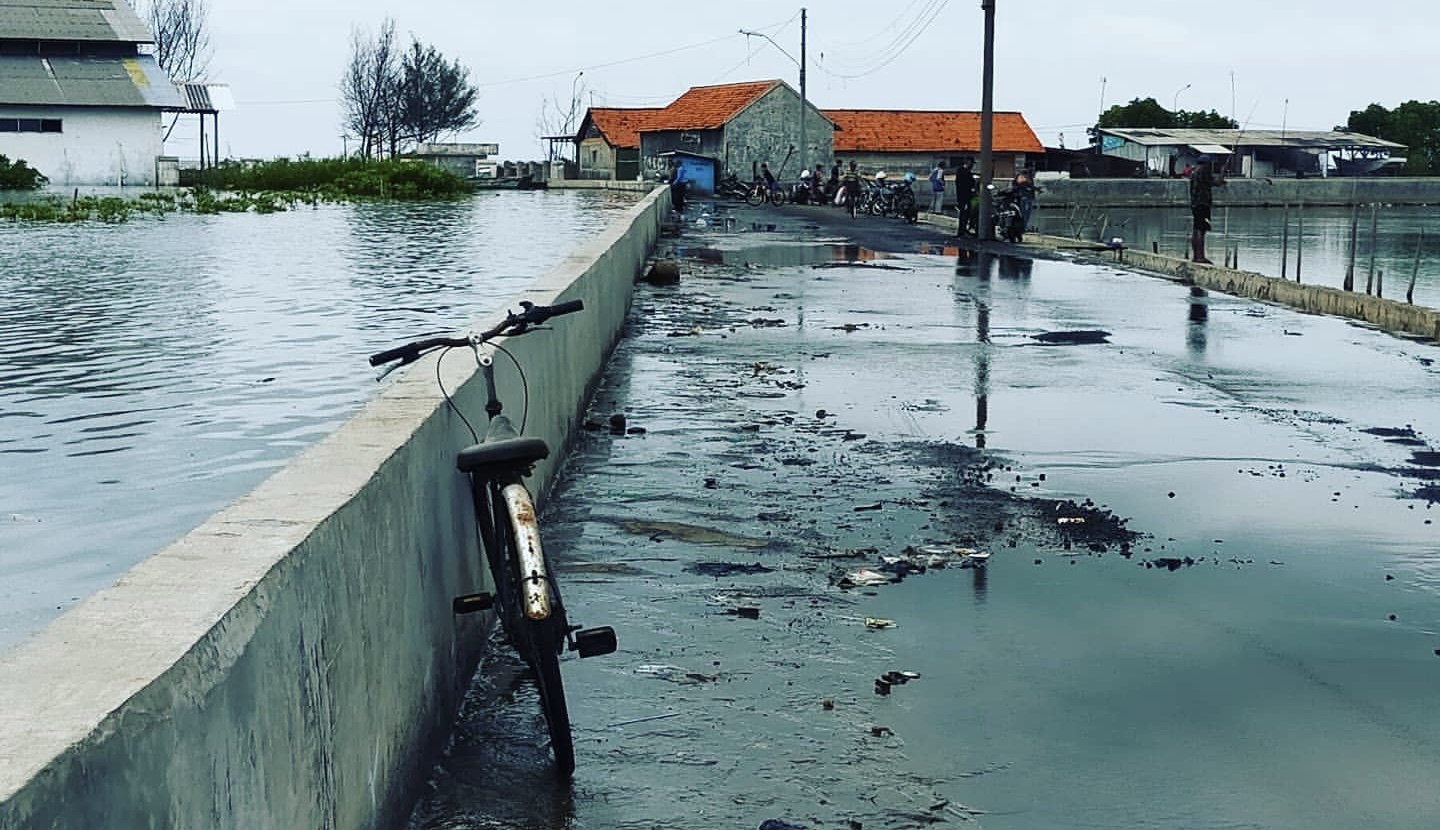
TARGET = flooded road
x,y
1211,600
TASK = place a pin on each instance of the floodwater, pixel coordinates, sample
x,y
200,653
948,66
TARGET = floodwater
x,y
1319,238
1243,630
153,371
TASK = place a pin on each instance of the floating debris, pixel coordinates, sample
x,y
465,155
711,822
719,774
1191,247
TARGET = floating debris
x,y
878,622
863,578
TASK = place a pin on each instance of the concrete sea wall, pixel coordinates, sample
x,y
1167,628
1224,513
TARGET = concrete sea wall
x,y
293,662
1138,193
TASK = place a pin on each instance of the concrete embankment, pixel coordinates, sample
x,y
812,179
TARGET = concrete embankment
x,y
293,662
1390,315
1139,193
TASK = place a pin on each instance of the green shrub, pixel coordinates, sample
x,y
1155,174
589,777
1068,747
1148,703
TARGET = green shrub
x,y
17,175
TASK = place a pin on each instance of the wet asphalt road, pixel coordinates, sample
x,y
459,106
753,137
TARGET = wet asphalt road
x,y
1235,624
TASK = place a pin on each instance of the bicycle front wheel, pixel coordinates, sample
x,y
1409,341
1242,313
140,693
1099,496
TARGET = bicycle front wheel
x,y
756,198
546,664
779,197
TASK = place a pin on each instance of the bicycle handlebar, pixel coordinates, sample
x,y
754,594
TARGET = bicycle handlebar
x,y
530,317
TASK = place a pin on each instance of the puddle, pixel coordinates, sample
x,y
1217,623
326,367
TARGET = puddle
x,y
782,255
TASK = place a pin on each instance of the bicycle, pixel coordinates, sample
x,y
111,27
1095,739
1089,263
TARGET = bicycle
x,y
526,595
760,193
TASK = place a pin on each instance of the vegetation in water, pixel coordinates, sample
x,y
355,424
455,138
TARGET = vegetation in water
x,y
267,187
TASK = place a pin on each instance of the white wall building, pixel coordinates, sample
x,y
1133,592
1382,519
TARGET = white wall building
x,y
78,100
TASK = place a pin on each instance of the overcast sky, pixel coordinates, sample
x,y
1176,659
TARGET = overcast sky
x,y
1301,64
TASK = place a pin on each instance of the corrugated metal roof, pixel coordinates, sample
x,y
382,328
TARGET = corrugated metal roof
x,y
106,82
1295,139
80,20
207,98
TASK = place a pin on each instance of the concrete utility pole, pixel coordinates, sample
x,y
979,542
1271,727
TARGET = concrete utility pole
x,y
803,159
987,127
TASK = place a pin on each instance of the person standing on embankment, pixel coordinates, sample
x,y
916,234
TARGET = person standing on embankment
x,y
1202,180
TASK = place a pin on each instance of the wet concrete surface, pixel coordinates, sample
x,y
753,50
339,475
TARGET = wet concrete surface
x,y
1211,599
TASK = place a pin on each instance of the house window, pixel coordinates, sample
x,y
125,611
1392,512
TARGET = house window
x,y
30,125
594,157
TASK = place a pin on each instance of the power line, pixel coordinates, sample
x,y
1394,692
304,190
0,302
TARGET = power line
x,y
912,31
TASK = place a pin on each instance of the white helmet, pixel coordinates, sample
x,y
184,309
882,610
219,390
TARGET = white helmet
x,y
880,175
804,174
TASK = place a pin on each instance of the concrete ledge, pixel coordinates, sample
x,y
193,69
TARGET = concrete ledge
x,y
602,184
1390,315
1150,193
293,662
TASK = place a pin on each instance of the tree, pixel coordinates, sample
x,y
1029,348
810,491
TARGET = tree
x,y
182,37
436,96
1143,113
369,88
1415,124
389,100
561,119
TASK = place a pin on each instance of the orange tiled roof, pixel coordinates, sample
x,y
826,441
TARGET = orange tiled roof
x,y
709,107
896,131
621,127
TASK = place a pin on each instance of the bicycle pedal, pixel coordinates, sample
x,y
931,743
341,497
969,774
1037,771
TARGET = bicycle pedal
x,y
593,642
470,603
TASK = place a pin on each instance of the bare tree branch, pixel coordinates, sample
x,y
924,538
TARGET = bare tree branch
x,y
182,37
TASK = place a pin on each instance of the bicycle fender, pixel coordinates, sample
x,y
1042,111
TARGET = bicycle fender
x,y
534,582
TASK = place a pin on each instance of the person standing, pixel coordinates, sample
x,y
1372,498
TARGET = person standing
x,y
937,188
768,177
964,193
852,189
679,183
1202,181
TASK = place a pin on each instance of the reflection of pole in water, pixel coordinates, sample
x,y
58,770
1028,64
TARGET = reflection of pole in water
x,y
1415,272
1196,334
982,372
978,579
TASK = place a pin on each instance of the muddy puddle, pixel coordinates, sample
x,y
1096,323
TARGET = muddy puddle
x,y
1201,568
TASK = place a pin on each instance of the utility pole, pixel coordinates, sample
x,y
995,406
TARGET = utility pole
x,y
804,164
987,116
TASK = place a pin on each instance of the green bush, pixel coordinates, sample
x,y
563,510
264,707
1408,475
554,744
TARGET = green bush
x,y
338,179
17,175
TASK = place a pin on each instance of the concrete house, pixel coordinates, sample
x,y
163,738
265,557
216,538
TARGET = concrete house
x,y
609,142
736,126
79,100
901,141
741,126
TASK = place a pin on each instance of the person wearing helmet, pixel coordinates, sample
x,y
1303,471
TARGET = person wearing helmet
x,y
805,174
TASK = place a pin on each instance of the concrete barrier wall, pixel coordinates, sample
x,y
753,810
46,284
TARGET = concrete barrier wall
x,y
1062,193
1390,315
293,662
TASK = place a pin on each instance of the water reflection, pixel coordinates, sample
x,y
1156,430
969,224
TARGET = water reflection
x,y
153,371
1197,333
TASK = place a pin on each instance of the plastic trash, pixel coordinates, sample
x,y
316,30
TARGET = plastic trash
x,y
877,622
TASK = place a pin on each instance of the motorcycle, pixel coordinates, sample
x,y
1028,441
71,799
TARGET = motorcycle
x,y
1009,213
731,187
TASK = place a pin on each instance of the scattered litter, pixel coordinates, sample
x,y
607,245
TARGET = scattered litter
x,y
719,569
877,622
634,721
863,578
775,823
749,612
864,507
674,674
882,731
1071,520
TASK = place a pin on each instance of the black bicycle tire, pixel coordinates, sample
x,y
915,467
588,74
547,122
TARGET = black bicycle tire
x,y
778,197
546,664
756,197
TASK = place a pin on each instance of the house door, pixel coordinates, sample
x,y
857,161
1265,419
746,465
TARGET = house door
x,y
627,165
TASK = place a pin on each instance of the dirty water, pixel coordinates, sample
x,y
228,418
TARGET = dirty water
x,y
1210,602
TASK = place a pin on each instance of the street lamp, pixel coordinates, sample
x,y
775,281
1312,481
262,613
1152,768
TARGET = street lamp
x,y
1175,102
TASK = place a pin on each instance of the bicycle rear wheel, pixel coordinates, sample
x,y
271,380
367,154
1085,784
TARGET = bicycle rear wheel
x,y
779,196
546,664
756,197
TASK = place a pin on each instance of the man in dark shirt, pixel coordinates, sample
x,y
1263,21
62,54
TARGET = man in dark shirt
x,y
964,192
1202,180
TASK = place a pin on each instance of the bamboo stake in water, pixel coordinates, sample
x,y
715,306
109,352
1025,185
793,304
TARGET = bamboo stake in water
x,y
1285,242
1379,282
1374,220
1350,266
1299,238
1415,272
